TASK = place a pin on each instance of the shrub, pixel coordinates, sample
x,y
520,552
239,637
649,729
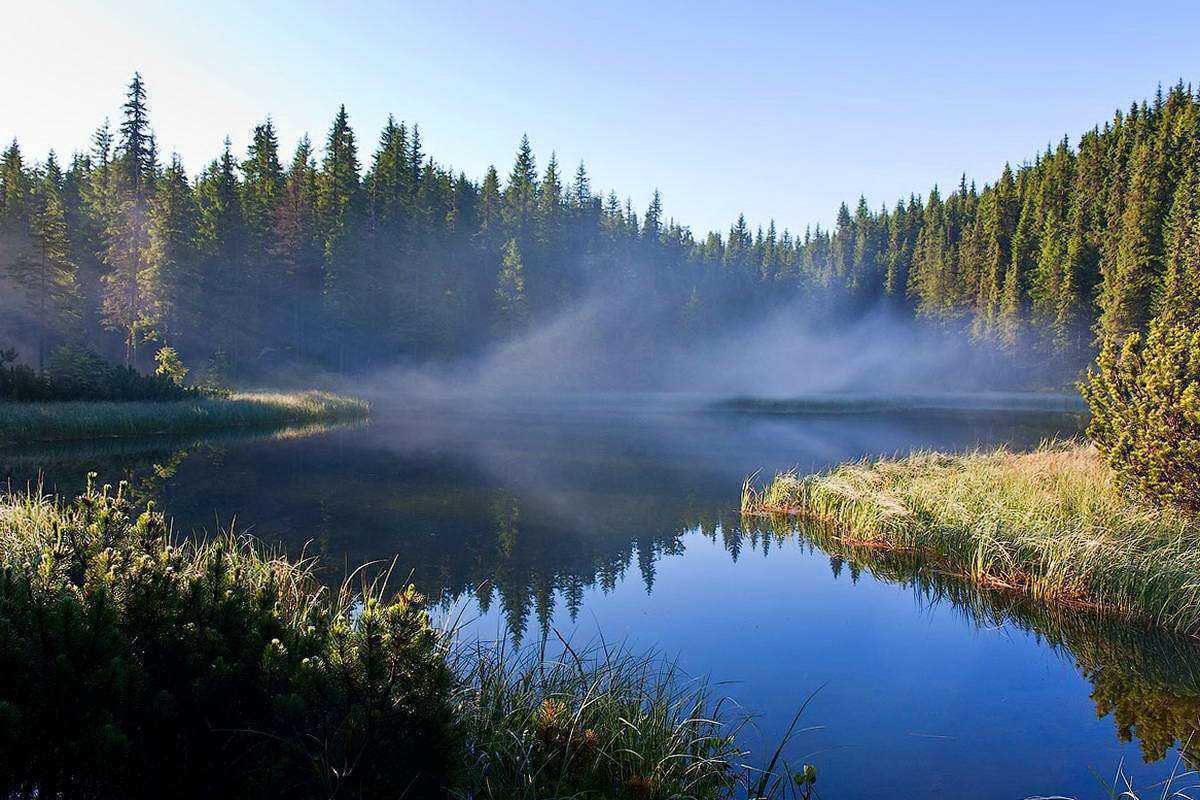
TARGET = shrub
x,y
19,381
1145,403
132,666
76,373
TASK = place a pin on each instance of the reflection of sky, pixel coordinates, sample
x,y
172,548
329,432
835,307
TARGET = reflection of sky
x,y
913,701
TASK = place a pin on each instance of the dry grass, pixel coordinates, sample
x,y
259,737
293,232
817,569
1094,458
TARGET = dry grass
x,y
1050,523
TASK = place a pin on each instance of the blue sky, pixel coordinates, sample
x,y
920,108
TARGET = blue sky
x,y
778,110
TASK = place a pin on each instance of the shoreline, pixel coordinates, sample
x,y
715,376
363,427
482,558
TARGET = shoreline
x,y
1048,524
27,423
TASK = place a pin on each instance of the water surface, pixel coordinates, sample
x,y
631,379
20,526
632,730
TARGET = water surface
x,y
618,515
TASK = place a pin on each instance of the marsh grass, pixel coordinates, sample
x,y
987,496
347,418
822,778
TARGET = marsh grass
x,y
1051,524
136,662
61,421
602,722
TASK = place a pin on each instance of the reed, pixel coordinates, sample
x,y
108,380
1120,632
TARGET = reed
x,y
602,721
1051,524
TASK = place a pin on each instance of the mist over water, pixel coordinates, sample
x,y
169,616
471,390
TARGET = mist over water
x,y
613,340
615,514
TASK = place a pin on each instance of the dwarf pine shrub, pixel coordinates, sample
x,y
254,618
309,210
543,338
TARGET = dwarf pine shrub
x,y
1145,403
135,666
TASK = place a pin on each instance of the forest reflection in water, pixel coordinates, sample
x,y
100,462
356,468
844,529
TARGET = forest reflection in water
x,y
527,524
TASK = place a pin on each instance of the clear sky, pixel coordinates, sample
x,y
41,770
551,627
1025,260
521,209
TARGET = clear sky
x,y
778,110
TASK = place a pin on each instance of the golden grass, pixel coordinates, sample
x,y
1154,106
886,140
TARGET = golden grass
x,y
1050,523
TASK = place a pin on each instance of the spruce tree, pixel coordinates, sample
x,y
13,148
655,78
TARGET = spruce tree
x,y
172,269
521,195
297,249
1130,278
338,212
222,239
45,272
512,312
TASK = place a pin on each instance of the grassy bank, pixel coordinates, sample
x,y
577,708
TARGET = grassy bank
x,y
134,665
60,421
1050,524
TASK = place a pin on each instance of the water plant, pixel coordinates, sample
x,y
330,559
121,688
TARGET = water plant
x,y
604,722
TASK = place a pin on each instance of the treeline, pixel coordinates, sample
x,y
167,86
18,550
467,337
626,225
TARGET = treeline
x,y
261,261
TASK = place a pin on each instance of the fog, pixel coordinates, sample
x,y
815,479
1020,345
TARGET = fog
x,y
612,341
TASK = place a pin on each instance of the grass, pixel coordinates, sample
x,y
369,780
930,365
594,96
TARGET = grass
x,y
134,662
1050,524
62,421
600,722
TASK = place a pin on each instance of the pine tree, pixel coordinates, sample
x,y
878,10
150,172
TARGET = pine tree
x,y
931,257
1179,298
1014,299
45,273
136,149
262,182
652,221
297,248
16,241
550,208
521,195
338,209
490,204
842,260
126,306
222,239
1053,293
512,312
172,271
581,189
388,181
1129,279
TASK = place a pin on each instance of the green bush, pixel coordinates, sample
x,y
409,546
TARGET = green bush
x,y
75,373
1145,403
19,381
132,666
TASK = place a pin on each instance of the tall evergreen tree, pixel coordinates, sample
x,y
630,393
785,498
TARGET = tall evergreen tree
x,y
297,250
47,275
172,270
512,311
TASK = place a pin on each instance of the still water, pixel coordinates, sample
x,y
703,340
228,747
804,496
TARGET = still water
x,y
618,515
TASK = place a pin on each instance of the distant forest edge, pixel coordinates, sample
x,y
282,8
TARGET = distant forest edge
x,y
254,265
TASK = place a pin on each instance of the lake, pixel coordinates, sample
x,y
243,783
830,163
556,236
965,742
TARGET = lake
x,y
617,515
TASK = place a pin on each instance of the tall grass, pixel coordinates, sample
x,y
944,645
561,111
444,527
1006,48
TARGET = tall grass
x,y
56,421
601,722
1051,524
146,666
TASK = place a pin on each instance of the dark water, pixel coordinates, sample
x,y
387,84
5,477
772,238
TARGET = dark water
x,y
619,515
